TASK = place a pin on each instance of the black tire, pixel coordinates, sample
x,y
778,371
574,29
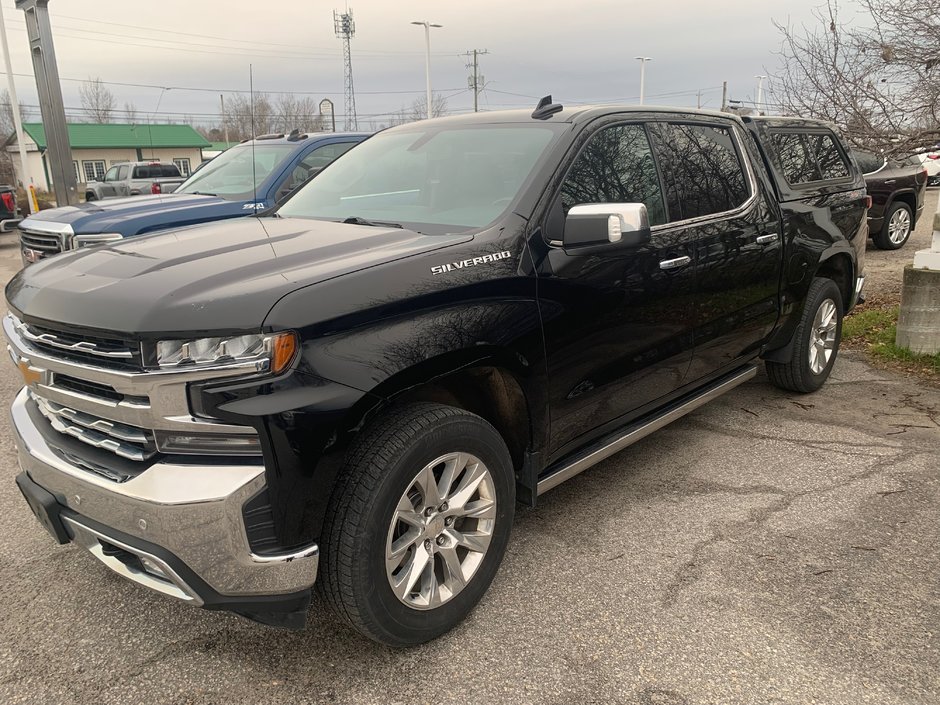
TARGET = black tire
x,y
796,375
379,468
90,197
882,239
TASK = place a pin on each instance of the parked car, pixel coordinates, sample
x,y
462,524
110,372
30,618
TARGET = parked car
x,y
244,179
9,215
459,314
931,162
897,189
135,179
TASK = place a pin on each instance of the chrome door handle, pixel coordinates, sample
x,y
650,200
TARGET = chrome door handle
x,y
766,239
891,181
675,263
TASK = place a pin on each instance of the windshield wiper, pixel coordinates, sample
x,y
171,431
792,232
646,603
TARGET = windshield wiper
x,y
204,193
356,220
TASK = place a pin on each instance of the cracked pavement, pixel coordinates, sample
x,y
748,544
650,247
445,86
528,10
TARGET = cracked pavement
x,y
767,548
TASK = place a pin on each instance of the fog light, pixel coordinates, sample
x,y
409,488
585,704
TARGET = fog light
x,y
208,444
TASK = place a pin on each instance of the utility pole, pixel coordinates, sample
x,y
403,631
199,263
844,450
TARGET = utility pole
x,y
698,103
15,109
724,96
760,91
476,81
51,106
427,57
346,29
224,119
642,60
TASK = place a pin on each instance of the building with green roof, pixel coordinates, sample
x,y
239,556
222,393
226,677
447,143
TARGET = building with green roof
x,y
98,147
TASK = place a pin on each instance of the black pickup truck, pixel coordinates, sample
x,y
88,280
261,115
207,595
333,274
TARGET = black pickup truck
x,y
357,388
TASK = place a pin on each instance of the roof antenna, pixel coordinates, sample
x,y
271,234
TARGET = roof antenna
x,y
546,108
251,99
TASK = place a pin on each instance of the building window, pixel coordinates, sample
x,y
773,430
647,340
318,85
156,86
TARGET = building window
x,y
78,177
182,164
94,169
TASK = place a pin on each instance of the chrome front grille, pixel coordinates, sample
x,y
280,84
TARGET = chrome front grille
x,y
45,244
121,439
118,353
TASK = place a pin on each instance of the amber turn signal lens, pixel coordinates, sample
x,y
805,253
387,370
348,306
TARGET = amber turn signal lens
x,y
283,349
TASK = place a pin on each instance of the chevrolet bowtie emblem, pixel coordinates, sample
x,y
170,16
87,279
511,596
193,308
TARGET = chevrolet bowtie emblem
x,y
31,375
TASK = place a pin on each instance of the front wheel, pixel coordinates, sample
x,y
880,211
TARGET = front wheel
x,y
897,228
815,342
90,196
418,523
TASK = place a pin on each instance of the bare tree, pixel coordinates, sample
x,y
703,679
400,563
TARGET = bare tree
x,y
97,100
301,113
130,113
248,118
419,110
879,80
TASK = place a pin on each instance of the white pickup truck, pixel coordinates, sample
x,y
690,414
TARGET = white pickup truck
x,y
134,179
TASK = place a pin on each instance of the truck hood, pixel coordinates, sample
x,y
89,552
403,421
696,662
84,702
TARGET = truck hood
x,y
119,214
222,277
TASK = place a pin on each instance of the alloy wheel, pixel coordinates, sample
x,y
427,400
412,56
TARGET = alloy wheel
x,y
823,339
899,227
440,530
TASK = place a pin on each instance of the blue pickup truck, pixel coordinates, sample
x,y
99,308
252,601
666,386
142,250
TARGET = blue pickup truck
x,y
246,178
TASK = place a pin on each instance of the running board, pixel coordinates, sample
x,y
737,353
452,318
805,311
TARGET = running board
x,y
606,447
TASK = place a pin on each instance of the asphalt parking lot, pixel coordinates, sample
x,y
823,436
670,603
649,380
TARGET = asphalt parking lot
x,y
768,548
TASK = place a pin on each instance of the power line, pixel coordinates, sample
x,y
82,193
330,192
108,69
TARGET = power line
x,y
476,81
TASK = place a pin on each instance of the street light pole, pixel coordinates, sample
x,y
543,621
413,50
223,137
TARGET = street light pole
x,y
427,59
643,60
760,91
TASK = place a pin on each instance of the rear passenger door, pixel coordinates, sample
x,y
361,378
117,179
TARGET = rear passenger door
x,y
717,203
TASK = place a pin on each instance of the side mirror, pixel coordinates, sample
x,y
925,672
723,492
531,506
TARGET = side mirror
x,y
604,226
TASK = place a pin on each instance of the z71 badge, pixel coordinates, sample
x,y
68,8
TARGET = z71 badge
x,y
472,262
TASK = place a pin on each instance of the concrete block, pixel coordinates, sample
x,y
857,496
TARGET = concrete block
x,y
919,320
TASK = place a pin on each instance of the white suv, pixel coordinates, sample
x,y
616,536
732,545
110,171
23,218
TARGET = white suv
x,y
931,162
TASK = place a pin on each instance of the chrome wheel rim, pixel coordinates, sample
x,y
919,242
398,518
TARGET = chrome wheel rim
x,y
440,531
823,339
899,227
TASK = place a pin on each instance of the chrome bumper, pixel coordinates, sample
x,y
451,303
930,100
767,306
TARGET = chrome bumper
x,y
192,511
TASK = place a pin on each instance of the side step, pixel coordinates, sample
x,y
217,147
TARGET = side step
x,y
619,440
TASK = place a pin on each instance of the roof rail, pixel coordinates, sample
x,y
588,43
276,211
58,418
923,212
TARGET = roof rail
x,y
272,136
546,108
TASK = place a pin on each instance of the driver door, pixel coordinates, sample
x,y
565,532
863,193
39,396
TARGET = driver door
x,y
110,180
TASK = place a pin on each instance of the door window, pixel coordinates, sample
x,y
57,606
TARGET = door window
x,y
705,173
807,157
122,172
616,166
112,174
314,162
832,164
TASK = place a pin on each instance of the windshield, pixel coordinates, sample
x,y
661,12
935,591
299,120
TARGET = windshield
x,y
434,178
230,174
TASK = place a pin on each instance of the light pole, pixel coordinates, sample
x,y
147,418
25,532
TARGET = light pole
x,y
643,60
427,62
760,91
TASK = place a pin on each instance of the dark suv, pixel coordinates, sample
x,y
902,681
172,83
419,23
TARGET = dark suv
x,y
897,189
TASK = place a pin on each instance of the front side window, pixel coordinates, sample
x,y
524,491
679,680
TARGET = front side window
x,y
616,166
706,176
237,172
314,162
430,178
112,174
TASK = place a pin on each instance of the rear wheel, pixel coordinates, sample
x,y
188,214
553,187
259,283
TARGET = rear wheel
x,y
897,227
418,523
815,342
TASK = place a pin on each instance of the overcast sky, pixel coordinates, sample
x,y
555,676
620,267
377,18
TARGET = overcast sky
x,y
578,51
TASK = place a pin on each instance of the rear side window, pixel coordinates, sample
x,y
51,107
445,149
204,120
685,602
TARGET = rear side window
x,y
868,162
705,171
809,157
616,166
156,171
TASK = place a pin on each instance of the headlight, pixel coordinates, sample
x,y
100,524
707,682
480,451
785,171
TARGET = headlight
x,y
96,239
275,352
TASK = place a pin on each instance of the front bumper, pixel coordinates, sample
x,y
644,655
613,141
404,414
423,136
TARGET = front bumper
x,y
185,520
